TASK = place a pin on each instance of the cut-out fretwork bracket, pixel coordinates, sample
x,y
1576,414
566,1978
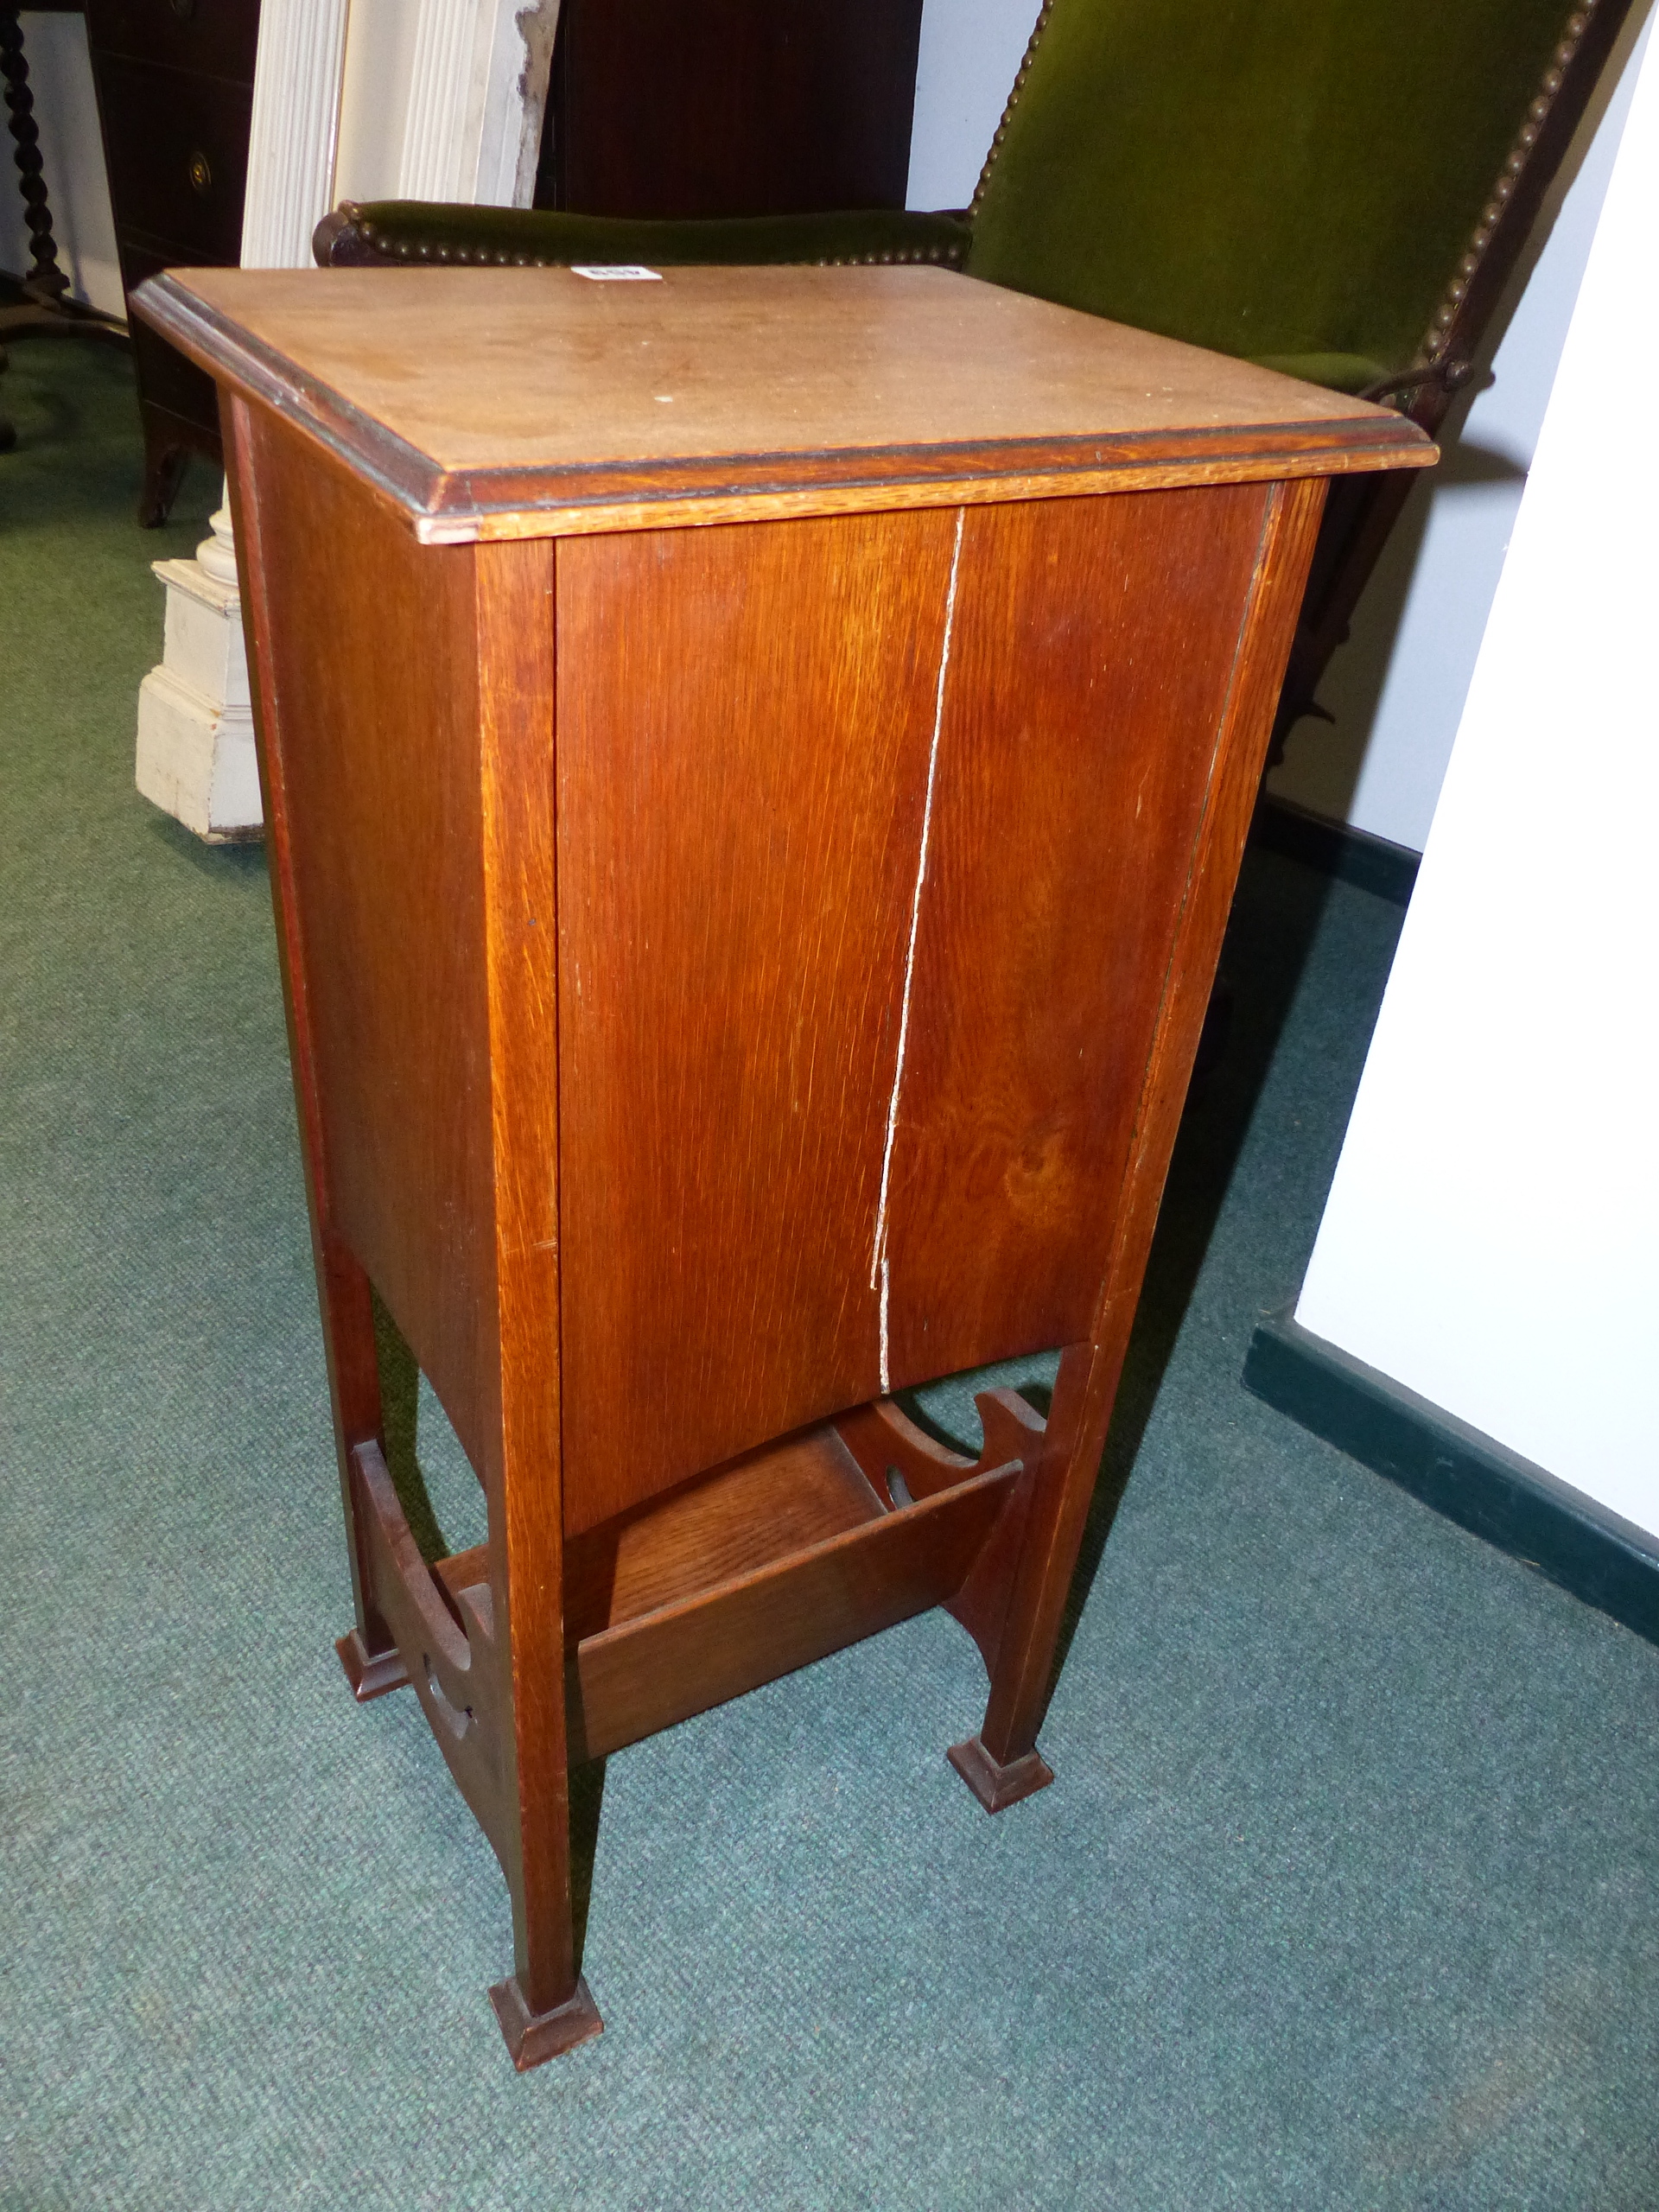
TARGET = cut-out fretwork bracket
x,y
744,1573
448,1648
882,1438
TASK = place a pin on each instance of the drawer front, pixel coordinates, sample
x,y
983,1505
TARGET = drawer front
x,y
218,37
177,149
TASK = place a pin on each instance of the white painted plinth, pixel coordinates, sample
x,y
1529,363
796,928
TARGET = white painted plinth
x,y
195,718
467,125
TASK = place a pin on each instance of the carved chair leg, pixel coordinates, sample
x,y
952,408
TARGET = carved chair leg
x,y
164,466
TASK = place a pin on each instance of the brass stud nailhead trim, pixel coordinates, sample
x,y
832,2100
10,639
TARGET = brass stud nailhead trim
x,y
1526,138
1001,130
441,251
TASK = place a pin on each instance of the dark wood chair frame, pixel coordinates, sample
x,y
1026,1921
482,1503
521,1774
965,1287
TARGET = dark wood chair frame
x,y
45,309
1362,512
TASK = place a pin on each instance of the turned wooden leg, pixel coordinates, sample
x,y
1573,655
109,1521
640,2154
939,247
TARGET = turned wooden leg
x,y
44,280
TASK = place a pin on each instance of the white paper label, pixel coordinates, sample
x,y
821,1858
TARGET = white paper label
x,y
616,272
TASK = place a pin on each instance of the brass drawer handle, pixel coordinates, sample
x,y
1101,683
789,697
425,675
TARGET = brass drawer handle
x,y
202,177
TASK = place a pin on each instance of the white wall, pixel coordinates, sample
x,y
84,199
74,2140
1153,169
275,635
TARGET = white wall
x,y
1491,1239
969,52
66,115
1398,687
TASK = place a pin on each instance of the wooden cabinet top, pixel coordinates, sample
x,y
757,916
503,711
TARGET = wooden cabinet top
x,y
515,403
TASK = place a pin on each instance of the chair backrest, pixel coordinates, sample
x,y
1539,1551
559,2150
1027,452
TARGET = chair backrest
x,y
1290,181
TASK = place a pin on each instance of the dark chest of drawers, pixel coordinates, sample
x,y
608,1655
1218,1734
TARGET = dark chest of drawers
x,y
656,107
174,81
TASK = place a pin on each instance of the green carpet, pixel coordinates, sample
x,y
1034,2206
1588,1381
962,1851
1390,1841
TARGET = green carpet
x,y
1347,1893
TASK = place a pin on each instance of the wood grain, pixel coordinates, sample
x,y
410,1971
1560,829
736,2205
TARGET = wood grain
x,y
808,1161
448,1651
381,854
552,398
1087,1382
417,899
517,1351
887,1444
732,972
343,1293
745,719
647,1673
1091,654
718,1527
174,90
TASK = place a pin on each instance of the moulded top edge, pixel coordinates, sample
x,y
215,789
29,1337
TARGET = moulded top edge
x,y
472,394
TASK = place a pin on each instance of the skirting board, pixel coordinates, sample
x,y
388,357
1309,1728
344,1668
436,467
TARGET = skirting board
x,y
1334,849
1543,1522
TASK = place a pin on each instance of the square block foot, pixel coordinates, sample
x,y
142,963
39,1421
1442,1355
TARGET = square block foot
x,y
996,1786
533,2038
370,1674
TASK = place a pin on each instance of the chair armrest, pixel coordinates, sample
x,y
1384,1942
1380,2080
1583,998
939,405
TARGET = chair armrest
x,y
402,231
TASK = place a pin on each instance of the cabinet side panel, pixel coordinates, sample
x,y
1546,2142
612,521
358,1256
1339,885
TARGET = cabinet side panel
x,y
875,835
1093,649
745,721
372,654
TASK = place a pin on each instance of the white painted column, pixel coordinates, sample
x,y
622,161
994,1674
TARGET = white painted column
x,y
469,130
1491,1240
195,756
296,89
477,89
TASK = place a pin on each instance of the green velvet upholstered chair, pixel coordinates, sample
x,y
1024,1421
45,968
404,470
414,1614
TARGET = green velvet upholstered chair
x,y
1336,188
